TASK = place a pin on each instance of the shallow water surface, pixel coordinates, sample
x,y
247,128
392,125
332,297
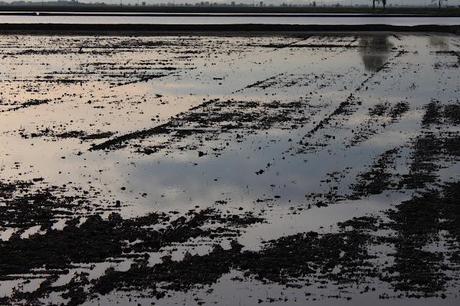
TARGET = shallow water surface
x,y
187,169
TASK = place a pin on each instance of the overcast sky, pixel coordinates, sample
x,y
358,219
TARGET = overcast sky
x,y
451,2
424,2
405,2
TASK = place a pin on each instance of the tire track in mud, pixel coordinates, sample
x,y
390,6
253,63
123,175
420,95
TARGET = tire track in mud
x,y
259,83
381,116
346,107
263,83
377,179
168,127
433,149
292,43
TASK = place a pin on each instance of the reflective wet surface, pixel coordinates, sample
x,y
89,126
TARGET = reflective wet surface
x,y
188,169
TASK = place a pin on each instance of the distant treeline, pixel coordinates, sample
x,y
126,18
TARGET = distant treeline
x,y
100,7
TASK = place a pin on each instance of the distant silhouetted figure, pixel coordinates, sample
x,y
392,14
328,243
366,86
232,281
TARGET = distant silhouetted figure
x,y
384,3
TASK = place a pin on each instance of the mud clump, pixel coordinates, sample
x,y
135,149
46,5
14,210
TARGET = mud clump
x,y
285,261
432,113
290,259
93,241
82,135
31,203
428,150
398,110
169,275
27,104
437,113
378,178
420,222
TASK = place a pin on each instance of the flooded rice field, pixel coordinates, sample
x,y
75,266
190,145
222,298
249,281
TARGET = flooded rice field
x,y
284,169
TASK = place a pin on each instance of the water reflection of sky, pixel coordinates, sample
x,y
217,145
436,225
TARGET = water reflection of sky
x,y
180,179
387,69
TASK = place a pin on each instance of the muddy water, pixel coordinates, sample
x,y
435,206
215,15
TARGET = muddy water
x,y
180,144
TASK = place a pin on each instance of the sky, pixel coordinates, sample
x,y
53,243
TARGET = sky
x,y
424,2
403,2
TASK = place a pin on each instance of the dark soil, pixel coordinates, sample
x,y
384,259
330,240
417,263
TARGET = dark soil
x,y
344,258
98,240
29,103
82,135
30,203
378,178
215,117
436,113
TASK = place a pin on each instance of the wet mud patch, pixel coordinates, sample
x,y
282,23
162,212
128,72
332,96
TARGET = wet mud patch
x,y
24,204
53,134
437,113
431,217
430,152
214,119
313,82
26,104
285,261
289,259
98,240
379,178
332,181
318,42
346,258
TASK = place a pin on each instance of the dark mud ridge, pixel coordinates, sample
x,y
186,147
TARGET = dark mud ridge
x,y
148,29
213,118
350,258
345,258
36,203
